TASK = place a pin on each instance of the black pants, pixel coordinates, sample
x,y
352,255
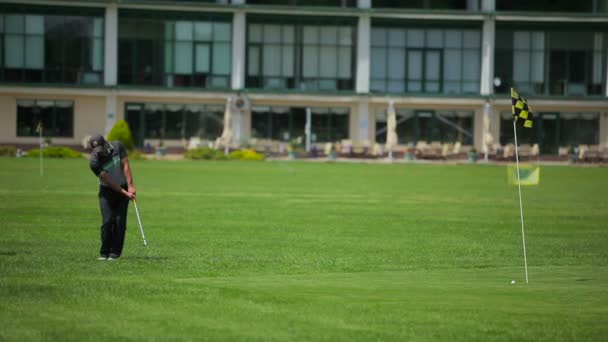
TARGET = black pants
x,y
113,207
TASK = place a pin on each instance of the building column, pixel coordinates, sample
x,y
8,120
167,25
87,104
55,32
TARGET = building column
x,y
363,126
111,45
363,54
604,130
238,50
487,61
111,112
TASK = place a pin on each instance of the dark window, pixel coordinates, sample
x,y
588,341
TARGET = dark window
x,y
421,4
174,121
550,62
333,3
445,126
420,60
284,124
301,56
51,48
55,117
551,5
174,51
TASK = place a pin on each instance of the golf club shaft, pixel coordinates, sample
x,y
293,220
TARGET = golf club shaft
x,y
141,228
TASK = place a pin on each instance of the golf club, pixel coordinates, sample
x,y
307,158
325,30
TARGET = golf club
x,y
141,228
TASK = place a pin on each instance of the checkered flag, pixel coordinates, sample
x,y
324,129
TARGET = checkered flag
x,y
522,113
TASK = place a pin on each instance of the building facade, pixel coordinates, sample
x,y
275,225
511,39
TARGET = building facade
x,y
292,67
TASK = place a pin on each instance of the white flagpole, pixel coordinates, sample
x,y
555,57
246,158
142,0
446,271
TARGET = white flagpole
x,y
41,148
521,209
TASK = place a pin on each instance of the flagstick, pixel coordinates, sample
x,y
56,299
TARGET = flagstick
x,y
41,147
521,209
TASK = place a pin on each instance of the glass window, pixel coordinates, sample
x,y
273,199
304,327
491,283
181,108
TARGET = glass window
x,y
52,48
55,117
560,62
280,123
300,56
172,52
425,60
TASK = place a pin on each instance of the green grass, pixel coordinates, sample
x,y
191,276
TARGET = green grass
x,y
305,251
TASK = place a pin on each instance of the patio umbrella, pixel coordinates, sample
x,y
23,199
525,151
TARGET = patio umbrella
x,y
391,129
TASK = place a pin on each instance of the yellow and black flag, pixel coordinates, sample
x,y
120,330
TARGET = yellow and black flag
x,y
521,111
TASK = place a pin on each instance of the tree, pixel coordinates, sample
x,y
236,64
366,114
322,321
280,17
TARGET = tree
x,y
122,133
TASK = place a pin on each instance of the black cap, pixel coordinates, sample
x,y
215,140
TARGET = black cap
x,y
97,141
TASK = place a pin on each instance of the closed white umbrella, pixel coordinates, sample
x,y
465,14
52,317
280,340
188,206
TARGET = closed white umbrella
x,y
226,136
391,129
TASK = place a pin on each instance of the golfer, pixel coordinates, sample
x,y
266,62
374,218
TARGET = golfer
x,y
109,162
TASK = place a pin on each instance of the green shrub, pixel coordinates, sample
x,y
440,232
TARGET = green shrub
x,y
246,155
9,151
137,155
122,133
205,154
55,152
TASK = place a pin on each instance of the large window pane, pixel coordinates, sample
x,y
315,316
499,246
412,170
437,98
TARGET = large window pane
x,y
202,58
34,52
272,60
396,63
183,30
202,31
329,61
288,61
221,32
14,51
311,64
183,57
221,59
345,64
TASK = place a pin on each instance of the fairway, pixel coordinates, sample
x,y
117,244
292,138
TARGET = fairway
x,y
305,251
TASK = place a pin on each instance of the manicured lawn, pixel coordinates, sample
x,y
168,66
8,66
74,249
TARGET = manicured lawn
x,y
305,251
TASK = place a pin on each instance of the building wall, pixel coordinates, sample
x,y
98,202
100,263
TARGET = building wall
x,y
89,117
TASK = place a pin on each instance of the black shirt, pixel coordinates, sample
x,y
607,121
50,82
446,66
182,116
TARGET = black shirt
x,y
111,163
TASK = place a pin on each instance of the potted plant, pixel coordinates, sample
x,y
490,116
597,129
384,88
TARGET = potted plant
x,y
161,150
572,155
473,155
333,154
410,152
292,147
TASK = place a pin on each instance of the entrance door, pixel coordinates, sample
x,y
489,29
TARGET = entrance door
x,y
548,133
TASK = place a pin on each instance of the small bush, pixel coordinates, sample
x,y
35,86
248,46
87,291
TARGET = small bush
x,y
9,151
55,152
122,133
246,155
205,154
136,155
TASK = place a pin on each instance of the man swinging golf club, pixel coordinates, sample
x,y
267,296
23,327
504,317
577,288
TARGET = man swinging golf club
x,y
109,162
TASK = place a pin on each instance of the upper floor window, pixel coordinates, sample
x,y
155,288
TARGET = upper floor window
x,y
300,56
426,4
51,48
423,60
548,62
334,3
592,6
181,52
